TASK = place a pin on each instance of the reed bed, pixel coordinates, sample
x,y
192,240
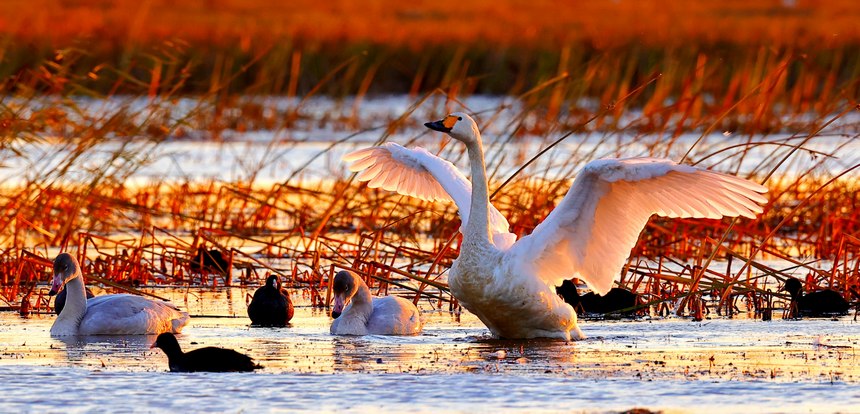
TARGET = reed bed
x,y
305,230
100,94
151,235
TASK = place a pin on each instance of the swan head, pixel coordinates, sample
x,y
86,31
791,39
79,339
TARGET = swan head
x,y
66,268
272,282
459,126
344,288
793,287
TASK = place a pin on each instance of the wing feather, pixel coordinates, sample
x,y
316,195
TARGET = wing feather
x,y
418,173
361,164
369,173
590,233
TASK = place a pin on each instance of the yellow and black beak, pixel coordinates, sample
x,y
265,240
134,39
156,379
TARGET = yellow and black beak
x,y
444,125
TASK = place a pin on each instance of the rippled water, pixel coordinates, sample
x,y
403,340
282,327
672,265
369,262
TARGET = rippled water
x,y
718,365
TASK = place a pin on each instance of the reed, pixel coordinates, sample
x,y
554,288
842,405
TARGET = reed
x,y
86,105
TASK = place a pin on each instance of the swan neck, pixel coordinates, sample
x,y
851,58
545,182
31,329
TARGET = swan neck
x,y
76,302
362,301
478,228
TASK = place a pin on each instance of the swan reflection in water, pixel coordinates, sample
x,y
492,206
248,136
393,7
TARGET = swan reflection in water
x,y
104,350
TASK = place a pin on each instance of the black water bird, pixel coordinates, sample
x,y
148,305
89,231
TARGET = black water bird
x,y
822,303
271,306
209,261
60,300
613,301
208,359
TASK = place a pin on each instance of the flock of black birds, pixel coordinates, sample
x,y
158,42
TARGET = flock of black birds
x,y
818,304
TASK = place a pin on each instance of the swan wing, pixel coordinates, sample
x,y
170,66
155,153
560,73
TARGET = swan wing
x,y
590,233
418,173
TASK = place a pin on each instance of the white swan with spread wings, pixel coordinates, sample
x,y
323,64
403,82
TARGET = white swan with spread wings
x,y
509,283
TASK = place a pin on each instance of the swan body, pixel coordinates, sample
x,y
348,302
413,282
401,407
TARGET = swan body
x,y
120,314
356,312
510,284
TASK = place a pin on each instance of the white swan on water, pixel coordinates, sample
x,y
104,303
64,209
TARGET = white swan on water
x,y
509,284
108,314
357,312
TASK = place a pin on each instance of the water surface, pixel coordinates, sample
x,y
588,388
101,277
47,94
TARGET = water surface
x,y
718,365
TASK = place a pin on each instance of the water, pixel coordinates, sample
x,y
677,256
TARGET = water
x,y
49,389
718,365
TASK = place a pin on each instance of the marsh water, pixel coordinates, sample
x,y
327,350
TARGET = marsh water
x,y
670,364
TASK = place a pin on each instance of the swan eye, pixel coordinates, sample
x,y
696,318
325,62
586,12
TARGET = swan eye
x,y
459,118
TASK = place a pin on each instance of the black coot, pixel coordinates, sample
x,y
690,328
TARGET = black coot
x,y
613,301
270,306
821,303
209,359
209,261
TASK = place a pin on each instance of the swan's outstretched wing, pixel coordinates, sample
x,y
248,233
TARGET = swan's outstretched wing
x,y
589,235
418,173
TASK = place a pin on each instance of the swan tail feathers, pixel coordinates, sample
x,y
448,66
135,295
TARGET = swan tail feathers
x,y
180,322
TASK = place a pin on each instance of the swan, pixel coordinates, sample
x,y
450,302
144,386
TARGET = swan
x,y
613,301
208,359
270,306
356,312
820,303
121,314
508,283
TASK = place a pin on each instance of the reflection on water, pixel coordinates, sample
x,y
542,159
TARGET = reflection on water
x,y
84,349
461,368
43,388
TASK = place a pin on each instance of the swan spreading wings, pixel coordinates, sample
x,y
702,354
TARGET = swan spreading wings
x,y
508,283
